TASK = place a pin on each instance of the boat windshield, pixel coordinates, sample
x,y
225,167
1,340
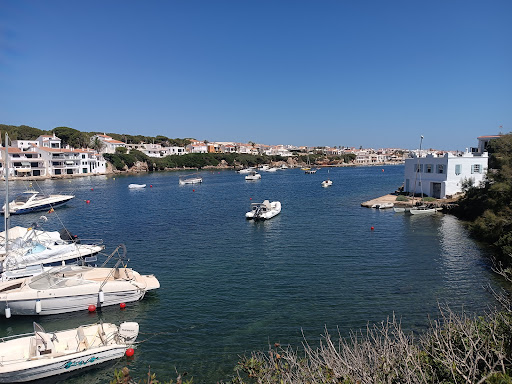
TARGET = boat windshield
x,y
60,279
23,197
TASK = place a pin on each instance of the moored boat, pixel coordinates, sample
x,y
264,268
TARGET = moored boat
x,y
190,180
326,183
264,211
253,176
73,288
33,201
44,354
136,186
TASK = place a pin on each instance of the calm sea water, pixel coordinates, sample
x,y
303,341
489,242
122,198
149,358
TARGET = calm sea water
x,y
231,286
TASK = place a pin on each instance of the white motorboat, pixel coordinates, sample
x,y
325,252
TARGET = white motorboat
x,y
33,201
30,251
401,209
273,169
326,183
383,205
44,354
245,170
136,186
283,166
73,288
190,180
311,170
422,210
264,211
253,176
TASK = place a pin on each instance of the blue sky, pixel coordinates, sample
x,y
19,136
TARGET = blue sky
x,y
353,73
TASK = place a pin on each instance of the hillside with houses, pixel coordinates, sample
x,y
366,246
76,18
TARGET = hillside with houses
x,y
65,152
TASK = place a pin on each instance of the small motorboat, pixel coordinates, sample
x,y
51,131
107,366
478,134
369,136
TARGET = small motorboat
x,y
383,205
191,180
33,201
326,183
311,171
245,170
73,288
136,186
44,354
273,169
422,210
264,211
253,176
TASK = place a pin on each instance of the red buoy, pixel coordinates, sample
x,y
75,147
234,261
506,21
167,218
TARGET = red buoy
x,y
92,308
87,201
193,190
122,305
151,186
92,189
250,198
129,352
372,228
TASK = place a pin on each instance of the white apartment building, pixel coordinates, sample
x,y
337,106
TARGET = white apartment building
x,y
60,161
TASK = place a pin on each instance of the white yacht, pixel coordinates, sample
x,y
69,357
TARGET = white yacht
x,y
33,201
136,186
264,211
44,354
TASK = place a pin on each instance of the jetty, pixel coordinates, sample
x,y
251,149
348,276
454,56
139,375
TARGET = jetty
x,y
444,204
389,198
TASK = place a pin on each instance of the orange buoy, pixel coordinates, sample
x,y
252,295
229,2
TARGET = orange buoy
x,y
92,308
122,305
129,352
372,228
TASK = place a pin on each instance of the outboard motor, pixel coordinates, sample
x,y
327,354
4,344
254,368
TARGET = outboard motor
x,y
68,236
128,331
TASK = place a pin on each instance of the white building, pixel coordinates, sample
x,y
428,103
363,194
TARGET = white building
x,y
109,144
60,161
442,176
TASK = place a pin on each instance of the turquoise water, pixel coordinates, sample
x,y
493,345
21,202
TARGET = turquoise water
x,y
231,286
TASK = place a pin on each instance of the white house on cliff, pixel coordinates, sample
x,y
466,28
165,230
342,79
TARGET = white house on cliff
x,y
442,175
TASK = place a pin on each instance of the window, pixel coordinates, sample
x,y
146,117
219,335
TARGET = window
x,y
475,168
458,169
440,168
420,168
428,168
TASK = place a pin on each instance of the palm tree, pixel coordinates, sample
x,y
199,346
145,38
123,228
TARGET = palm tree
x,y
97,144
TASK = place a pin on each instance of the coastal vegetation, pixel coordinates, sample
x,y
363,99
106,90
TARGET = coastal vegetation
x,y
77,139
487,208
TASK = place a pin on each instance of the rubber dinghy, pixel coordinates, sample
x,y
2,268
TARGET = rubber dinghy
x,y
264,211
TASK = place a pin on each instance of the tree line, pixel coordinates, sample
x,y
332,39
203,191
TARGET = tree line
x,y
77,139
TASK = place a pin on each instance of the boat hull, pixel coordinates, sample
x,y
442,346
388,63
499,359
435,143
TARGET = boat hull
x,y
65,304
43,207
27,371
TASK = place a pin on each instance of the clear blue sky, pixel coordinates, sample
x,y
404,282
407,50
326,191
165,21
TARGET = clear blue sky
x,y
319,72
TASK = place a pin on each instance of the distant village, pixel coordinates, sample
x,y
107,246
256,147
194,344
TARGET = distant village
x,y
47,156
443,171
